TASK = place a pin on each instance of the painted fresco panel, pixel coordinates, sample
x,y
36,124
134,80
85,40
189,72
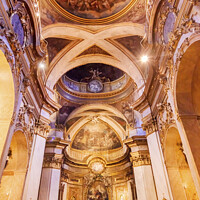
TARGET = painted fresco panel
x,y
96,137
93,9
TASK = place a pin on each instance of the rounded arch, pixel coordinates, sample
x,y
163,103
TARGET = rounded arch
x,y
187,85
7,99
98,37
177,166
15,168
187,94
105,107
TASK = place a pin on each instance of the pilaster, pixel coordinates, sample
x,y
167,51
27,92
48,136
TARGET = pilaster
x,y
142,168
53,158
157,160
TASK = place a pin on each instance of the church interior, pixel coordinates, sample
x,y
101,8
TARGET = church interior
x,y
99,100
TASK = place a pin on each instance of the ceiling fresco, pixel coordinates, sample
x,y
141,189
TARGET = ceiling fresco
x,y
93,9
112,10
96,136
55,45
132,43
94,50
84,73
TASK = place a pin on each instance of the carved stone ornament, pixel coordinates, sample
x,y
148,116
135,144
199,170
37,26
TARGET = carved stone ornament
x,y
7,52
25,121
150,126
187,25
128,113
165,118
42,129
64,176
52,161
21,23
140,158
166,19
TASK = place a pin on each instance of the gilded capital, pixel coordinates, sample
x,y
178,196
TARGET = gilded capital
x,y
150,127
139,150
53,161
140,158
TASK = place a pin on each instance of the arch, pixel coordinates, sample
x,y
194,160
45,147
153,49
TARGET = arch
x,y
87,107
14,174
187,85
98,37
187,95
177,167
7,99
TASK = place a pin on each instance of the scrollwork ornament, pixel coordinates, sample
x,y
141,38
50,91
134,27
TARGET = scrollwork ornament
x,y
165,118
187,25
21,24
41,128
150,126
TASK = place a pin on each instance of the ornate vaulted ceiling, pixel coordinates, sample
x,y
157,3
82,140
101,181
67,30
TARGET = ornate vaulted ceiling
x,y
106,38
92,11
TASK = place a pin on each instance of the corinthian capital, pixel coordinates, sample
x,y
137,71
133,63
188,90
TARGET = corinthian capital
x,y
150,126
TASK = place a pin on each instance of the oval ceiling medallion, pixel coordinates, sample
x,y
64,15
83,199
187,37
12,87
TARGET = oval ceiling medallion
x,y
93,11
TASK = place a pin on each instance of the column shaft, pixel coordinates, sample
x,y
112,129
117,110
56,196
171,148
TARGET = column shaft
x,y
142,168
159,168
35,167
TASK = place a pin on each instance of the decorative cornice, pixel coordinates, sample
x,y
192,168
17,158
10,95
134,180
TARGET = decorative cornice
x,y
150,126
42,129
140,158
53,161
139,150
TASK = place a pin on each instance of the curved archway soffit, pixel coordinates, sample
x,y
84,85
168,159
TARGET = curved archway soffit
x,y
89,38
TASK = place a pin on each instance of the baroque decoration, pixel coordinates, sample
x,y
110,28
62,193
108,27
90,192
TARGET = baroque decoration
x,y
93,11
82,117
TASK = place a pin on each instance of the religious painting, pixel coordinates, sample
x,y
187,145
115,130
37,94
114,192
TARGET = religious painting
x,y
74,193
18,28
93,9
96,136
168,27
97,191
121,192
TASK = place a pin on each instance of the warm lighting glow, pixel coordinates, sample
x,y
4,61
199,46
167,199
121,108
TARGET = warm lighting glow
x,y
42,65
144,58
37,14
185,185
97,167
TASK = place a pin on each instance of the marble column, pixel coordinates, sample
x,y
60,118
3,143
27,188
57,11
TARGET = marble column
x,y
51,172
142,168
157,160
32,182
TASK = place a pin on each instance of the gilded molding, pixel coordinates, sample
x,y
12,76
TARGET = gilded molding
x,y
92,21
150,126
42,129
64,176
53,161
140,158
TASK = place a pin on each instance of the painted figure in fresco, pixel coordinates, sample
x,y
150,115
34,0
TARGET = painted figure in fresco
x,y
97,192
99,137
93,8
